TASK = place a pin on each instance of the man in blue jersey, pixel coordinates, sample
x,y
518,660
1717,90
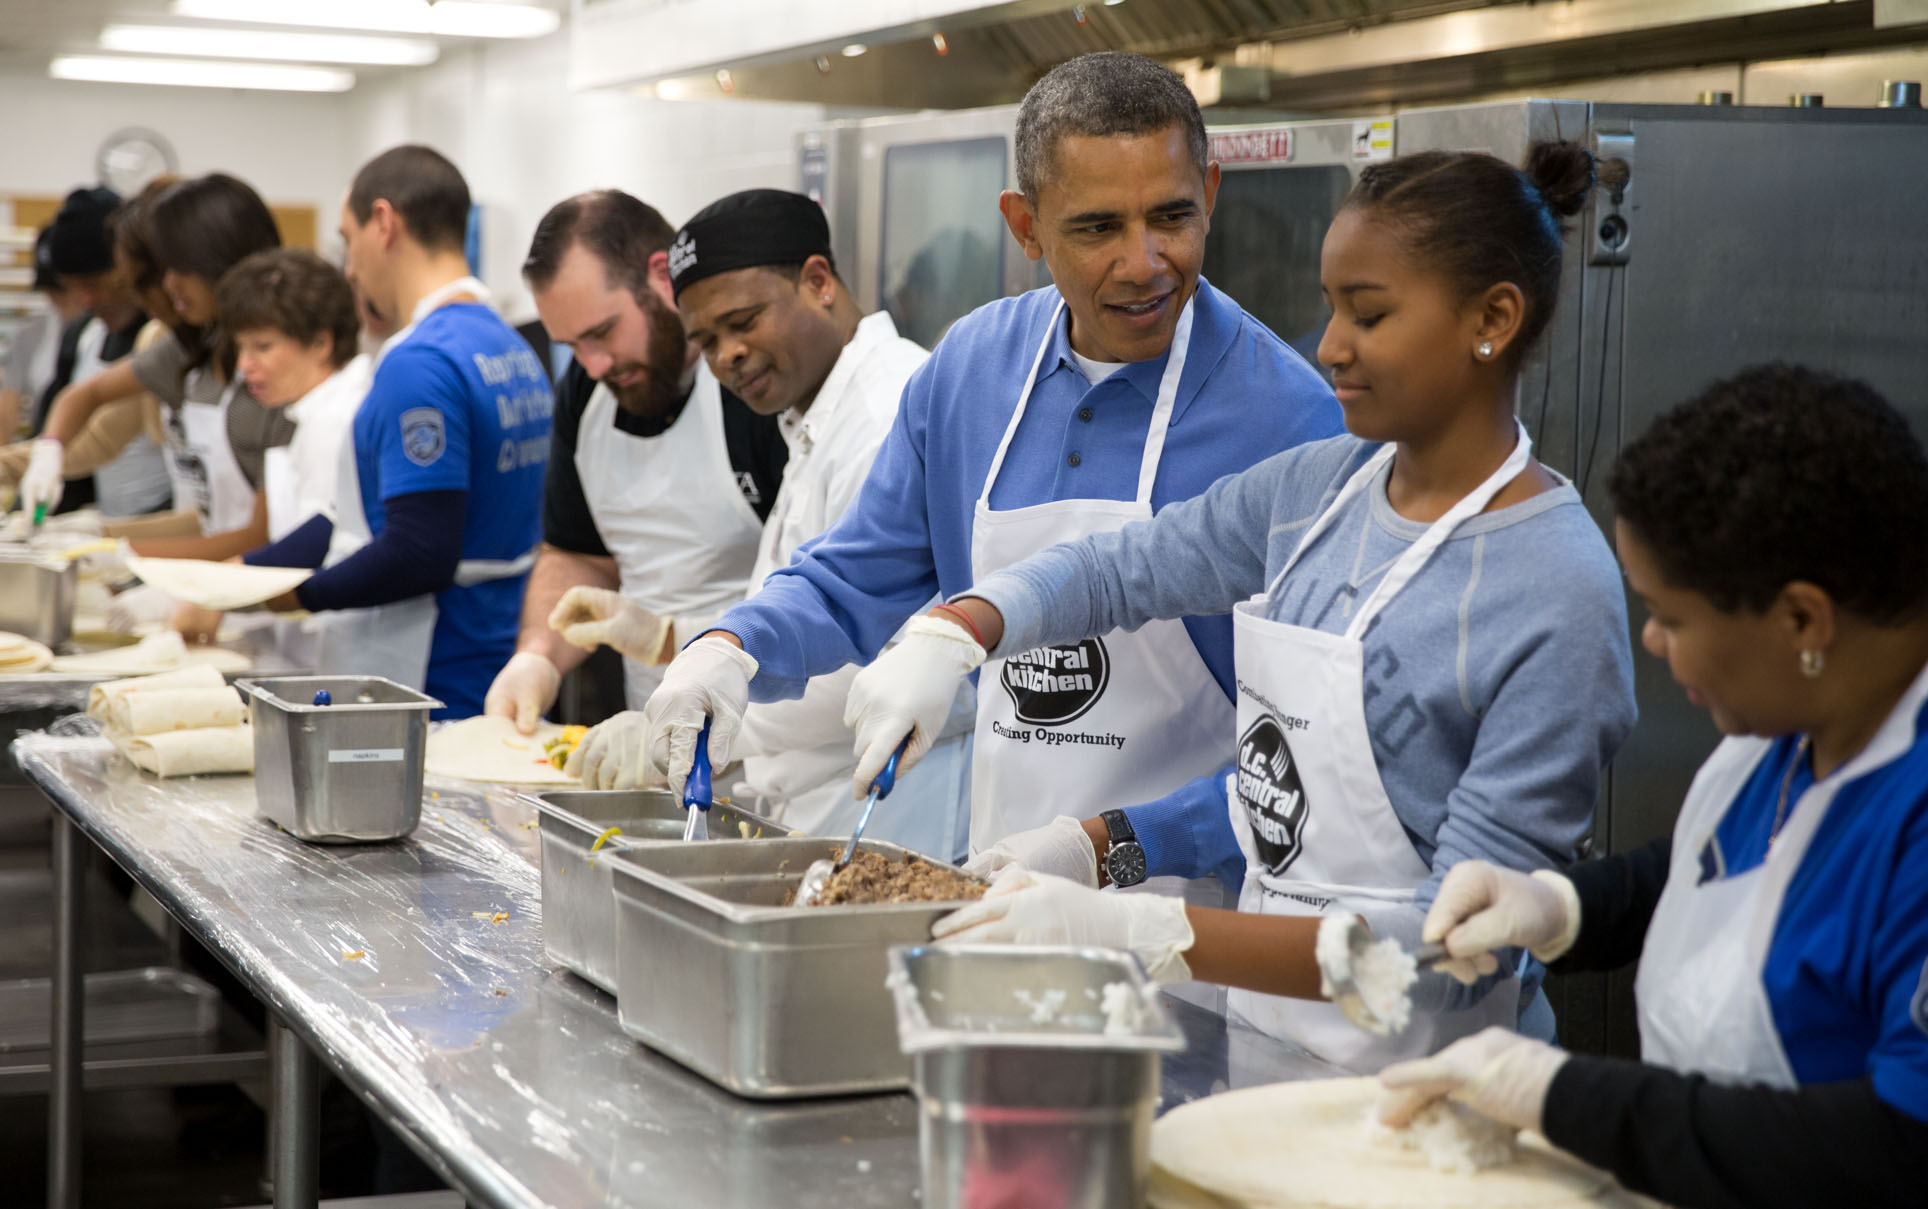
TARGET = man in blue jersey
x,y
439,509
1126,385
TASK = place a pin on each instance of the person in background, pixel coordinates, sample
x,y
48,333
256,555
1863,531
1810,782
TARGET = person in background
x,y
1772,527
659,478
1432,654
34,355
1126,386
296,332
760,296
427,548
216,434
129,479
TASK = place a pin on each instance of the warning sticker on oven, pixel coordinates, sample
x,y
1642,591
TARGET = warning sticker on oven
x,y
1372,139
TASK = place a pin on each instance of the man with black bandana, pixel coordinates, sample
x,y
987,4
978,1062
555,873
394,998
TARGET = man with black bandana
x,y
759,294
658,479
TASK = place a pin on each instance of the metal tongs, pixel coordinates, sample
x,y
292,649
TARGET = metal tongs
x,y
1345,990
818,875
696,789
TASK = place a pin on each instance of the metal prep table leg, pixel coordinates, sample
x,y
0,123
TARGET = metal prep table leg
x,y
297,1122
65,1061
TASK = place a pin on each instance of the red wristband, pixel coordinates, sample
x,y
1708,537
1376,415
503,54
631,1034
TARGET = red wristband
x,y
951,610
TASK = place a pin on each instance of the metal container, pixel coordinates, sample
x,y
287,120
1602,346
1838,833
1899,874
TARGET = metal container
x,y
37,596
578,900
766,1000
1020,1082
346,772
149,1004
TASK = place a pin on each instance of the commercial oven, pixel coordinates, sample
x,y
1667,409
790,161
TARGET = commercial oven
x,y
1720,237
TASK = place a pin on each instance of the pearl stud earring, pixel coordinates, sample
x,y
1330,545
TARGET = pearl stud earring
x,y
1485,348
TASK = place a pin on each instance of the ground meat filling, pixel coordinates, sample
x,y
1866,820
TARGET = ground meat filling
x,y
871,877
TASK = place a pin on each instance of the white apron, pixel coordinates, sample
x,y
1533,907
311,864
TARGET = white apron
x,y
670,511
1107,722
135,480
1307,805
1702,1006
201,464
390,640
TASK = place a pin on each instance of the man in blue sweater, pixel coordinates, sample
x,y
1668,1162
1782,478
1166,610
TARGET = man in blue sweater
x,y
440,504
1127,385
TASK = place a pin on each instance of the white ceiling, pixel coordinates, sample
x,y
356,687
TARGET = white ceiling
x,y
33,31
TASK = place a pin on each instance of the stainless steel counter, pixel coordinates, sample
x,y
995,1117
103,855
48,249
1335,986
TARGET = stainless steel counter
x,y
416,971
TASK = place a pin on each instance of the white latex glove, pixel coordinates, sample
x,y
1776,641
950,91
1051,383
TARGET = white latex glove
x,y
610,756
45,479
709,679
592,617
1027,908
1059,848
1497,1073
137,609
522,690
1482,907
907,691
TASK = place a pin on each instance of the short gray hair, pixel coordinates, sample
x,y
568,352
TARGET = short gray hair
x,y
1108,93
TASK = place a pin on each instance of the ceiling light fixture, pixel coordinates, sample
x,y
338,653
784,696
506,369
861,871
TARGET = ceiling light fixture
x,y
200,73
287,47
449,18
940,43
854,49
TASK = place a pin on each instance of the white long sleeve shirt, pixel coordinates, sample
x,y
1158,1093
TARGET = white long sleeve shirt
x,y
798,752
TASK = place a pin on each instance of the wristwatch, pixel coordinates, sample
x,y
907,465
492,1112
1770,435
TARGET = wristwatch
x,y
1124,856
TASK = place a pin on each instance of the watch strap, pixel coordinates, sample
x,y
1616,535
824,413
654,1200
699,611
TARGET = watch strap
x,y
1118,827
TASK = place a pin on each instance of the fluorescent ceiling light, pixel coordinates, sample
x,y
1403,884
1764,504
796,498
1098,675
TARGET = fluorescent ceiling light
x,y
200,73
288,47
449,18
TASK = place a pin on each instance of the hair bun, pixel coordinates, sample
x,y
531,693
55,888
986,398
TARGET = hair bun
x,y
1563,173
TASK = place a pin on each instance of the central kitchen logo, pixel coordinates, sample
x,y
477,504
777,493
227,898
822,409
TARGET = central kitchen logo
x,y
1269,788
1053,685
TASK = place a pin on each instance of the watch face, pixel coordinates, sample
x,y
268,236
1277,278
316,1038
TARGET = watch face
x,y
1125,864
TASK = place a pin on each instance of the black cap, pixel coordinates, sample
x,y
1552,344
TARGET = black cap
x,y
44,277
746,230
77,241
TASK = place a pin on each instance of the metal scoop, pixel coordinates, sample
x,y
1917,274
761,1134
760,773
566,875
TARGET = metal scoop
x,y
818,875
1345,991
696,790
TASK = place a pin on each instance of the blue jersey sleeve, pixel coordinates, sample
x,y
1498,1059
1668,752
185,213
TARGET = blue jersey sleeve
x,y
1899,1063
419,410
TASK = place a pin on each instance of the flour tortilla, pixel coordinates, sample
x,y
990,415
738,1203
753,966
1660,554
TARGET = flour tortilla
x,y
1306,1146
185,753
20,654
492,749
101,696
215,585
156,653
155,712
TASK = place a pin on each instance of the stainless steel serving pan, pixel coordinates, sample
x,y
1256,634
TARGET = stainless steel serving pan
x,y
578,898
766,1000
346,772
1016,1070
37,596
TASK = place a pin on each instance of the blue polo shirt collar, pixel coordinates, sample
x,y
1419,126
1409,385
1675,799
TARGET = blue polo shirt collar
x,y
1215,322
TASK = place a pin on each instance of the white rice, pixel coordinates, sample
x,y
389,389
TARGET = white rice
x,y
1383,974
1451,1136
1044,1006
1124,1009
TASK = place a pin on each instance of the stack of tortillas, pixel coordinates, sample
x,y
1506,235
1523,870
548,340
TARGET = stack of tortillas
x,y
176,724
163,652
19,654
1312,1145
